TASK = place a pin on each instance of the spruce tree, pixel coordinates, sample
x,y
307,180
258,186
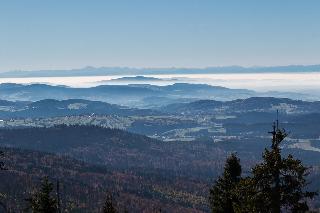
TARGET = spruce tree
x,y
222,198
43,201
277,183
109,205
2,164
2,167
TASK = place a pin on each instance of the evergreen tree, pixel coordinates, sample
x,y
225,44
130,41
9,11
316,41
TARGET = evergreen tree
x,y
222,198
2,165
276,184
109,205
43,201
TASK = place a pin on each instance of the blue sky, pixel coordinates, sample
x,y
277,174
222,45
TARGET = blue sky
x,y
56,34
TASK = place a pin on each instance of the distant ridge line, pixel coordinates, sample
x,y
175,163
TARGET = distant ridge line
x,y
101,71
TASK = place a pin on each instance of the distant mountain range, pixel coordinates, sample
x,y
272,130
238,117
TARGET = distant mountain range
x,y
92,71
133,95
136,95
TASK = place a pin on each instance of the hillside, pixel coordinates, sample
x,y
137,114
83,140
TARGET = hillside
x,y
84,186
146,173
119,149
252,104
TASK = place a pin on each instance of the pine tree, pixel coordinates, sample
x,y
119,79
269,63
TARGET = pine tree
x,y
109,205
276,184
43,201
222,198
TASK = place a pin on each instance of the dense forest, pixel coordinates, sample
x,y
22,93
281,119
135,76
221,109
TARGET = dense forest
x,y
91,167
84,187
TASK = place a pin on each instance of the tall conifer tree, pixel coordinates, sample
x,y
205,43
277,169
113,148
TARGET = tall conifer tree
x,y
277,183
221,194
43,200
109,205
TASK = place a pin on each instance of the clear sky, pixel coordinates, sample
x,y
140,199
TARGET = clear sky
x,y
54,34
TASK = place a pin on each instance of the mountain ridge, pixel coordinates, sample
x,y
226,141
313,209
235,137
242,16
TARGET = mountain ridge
x,y
99,71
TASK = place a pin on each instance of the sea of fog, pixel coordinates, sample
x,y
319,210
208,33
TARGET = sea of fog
x,y
284,82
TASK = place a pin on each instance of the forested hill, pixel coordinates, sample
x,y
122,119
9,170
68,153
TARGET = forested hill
x,y
148,174
119,149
